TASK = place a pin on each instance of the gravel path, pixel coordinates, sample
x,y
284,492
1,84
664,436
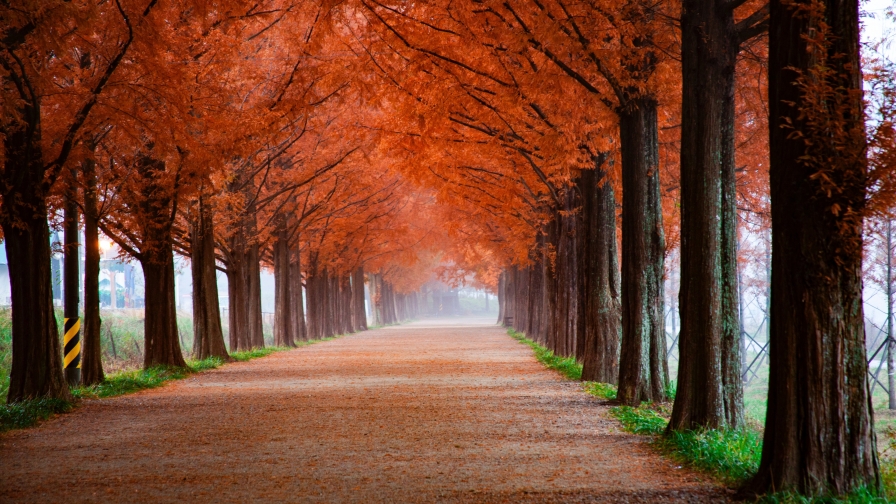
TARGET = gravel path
x,y
424,412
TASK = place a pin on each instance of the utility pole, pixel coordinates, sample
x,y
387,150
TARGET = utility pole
x,y
891,343
71,283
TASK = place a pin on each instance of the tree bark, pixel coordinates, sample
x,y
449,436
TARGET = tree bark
x,y
374,300
359,314
283,319
603,325
502,305
208,336
237,294
643,373
253,286
299,329
509,297
92,355
819,436
535,325
36,353
551,284
162,347
709,385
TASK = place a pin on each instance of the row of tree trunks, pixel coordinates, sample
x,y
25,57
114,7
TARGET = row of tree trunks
x,y
570,297
237,294
245,322
208,335
333,302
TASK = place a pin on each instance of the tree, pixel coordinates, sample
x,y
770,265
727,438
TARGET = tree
x,y
819,437
709,392
37,49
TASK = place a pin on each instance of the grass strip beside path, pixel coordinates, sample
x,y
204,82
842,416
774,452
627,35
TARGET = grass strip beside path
x,y
27,413
731,456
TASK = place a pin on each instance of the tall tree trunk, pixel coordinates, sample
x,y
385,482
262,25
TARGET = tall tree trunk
x,y
253,287
563,313
299,329
208,336
643,372
359,319
283,320
509,297
162,347
92,355
603,325
709,385
502,305
819,436
536,298
36,352
375,294
551,284
326,300
313,293
581,269
237,294
521,321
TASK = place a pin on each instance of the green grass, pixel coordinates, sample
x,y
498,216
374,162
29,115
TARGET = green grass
x,y
641,420
730,455
567,366
256,353
5,350
602,390
27,413
859,496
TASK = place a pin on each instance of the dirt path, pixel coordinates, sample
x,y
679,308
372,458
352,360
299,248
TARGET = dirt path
x,y
414,413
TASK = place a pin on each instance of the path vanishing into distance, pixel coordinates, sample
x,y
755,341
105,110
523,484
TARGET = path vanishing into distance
x,y
431,411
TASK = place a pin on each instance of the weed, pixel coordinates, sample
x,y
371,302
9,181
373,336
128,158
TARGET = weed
x,y
26,413
861,495
126,382
567,366
255,353
731,455
602,390
641,420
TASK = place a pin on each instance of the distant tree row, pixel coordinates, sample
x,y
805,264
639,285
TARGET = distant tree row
x,y
554,152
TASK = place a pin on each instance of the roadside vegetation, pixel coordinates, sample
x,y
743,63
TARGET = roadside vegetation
x,y
729,456
122,358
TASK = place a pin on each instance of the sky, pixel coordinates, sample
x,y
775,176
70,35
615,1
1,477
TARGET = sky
x,y
876,24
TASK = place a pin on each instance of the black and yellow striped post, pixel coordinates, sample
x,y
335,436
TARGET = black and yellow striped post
x,y
72,351
71,335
